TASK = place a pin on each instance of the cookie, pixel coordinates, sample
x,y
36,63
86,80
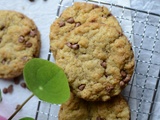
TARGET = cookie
x,y
75,16
97,59
19,42
79,109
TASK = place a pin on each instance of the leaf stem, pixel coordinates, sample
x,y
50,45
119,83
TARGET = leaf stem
x,y
20,107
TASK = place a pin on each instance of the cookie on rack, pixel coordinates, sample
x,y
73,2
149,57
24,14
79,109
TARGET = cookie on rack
x,y
75,16
19,42
78,109
97,59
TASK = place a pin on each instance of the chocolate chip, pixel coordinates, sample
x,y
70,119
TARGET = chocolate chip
x,y
123,73
70,20
33,33
24,58
21,39
5,90
103,64
22,16
81,87
109,15
121,84
120,34
23,85
77,24
109,88
28,44
69,44
95,6
75,46
2,27
105,74
16,80
94,20
61,24
127,79
4,61
105,16
0,40
10,88
99,118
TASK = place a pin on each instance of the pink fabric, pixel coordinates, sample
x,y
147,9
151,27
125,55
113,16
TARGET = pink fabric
x,y
2,118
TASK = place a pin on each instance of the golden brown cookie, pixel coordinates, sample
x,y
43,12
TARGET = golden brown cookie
x,y
19,42
79,109
97,59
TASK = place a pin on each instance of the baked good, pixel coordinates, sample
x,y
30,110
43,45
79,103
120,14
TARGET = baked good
x,y
19,42
79,109
75,16
88,44
97,59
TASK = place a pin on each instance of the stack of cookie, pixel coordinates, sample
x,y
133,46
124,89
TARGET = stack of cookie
x,y
88,44
19,42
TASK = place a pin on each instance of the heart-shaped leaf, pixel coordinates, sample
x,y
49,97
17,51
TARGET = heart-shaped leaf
x,y
47,81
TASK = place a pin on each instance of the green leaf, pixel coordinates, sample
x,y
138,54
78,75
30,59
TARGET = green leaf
x,y
47,81
26,118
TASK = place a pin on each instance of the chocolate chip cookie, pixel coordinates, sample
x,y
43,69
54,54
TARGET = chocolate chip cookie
x,y
97,59
77,15
19,42
79,109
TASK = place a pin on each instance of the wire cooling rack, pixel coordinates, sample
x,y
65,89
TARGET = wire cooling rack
x,y
142,29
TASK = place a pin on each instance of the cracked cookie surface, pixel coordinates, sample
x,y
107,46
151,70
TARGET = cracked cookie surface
x,y
97,59
76,15
79,109
19,42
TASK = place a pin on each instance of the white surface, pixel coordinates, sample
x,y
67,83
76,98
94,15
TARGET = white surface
x,y
43,13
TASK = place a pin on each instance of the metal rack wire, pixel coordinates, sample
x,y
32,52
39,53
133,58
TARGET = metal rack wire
x,y
142,29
